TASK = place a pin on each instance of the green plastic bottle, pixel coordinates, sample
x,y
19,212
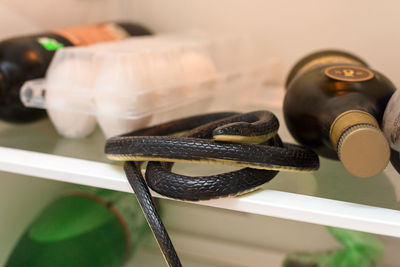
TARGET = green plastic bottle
x,y
90,227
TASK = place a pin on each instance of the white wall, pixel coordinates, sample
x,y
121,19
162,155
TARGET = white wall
x,y
24,17
293,28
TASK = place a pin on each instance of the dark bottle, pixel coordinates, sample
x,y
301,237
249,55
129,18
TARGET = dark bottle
x,y
25,58
334,104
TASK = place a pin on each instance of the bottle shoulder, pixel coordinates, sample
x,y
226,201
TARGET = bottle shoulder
x,y
134,29
28,54
319,80
323,58
27,40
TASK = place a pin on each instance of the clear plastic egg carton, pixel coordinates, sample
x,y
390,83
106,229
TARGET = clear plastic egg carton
x,y
138,82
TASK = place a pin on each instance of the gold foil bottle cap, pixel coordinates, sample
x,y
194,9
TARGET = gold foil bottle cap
x,y
363,150
361,146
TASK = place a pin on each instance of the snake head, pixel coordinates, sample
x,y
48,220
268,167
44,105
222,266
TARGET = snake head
x,y
235,128
242,132
254,128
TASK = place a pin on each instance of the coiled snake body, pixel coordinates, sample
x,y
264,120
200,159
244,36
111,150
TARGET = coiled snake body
x,y
247,140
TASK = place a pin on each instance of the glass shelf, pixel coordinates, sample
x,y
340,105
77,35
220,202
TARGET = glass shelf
x,y
329,196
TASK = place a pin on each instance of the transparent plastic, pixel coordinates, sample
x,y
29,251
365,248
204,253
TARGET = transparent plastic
x,y
141,81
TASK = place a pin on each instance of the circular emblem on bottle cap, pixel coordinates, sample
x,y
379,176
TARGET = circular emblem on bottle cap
x,y
349,73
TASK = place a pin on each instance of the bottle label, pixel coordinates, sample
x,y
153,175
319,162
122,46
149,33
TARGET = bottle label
x,y
349,73
328,60
49,44
90,34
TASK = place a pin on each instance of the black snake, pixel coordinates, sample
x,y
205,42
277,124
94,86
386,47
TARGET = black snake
x,y
247,140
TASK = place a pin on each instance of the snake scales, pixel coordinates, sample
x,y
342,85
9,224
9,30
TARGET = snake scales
x,y
247,140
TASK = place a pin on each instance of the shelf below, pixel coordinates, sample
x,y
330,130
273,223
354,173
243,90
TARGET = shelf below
x,y
197,251
329,196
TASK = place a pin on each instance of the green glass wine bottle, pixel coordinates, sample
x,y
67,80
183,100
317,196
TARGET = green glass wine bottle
x,y
92,227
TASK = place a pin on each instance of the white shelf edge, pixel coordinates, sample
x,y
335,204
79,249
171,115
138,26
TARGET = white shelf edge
x,y
264,202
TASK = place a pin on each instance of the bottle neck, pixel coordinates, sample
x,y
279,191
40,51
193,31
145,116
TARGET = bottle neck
x,y
360,145
347,120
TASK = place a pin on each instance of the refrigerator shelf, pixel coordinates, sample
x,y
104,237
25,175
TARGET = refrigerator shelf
x,y
269,201
329,196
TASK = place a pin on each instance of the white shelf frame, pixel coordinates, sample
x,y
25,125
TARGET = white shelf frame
x,y
263,202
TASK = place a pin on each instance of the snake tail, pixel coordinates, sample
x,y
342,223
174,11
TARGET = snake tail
x,y
149,209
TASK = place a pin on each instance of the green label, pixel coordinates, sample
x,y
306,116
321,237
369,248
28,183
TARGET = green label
x,y
50,44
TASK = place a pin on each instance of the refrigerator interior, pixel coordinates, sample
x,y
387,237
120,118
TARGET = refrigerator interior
x,y
206,235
